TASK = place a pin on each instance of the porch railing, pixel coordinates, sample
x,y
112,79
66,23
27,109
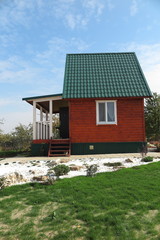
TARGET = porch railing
x,y
42,130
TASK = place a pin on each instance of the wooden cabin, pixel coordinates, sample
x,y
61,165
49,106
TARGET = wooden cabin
x,y
101,109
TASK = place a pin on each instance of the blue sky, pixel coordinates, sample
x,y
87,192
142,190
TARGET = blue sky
x,y
36,35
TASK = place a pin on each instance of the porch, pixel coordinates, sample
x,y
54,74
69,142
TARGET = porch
x,y
50,125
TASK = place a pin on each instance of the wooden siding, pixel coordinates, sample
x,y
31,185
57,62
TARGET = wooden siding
x,y
129,128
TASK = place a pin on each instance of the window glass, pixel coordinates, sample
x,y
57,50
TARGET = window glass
x,y
102,113
110,112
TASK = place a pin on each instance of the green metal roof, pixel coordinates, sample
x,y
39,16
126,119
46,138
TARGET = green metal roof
x,y
108,75
43,96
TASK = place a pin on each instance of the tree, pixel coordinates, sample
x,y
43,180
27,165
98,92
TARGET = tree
x,y
6,142
55,126
19,139
152,117
22,137
1,122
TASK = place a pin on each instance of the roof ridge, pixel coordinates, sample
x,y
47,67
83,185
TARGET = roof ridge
x,y
98,53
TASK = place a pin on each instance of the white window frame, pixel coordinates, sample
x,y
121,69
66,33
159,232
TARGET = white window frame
x,y
97,112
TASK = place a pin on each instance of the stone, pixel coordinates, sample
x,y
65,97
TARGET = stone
x,y
128,160
32,172
64,160
40,178
51,164
75,168
14,178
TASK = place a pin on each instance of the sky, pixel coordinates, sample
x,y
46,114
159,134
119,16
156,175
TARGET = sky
x,y
36,35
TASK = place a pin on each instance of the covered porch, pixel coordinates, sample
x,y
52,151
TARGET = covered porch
x,y
46,136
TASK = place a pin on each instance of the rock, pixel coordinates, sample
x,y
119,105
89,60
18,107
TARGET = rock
x,y
75,168
14,178
64,160
128,160
51,164
31,171
118,167
40,178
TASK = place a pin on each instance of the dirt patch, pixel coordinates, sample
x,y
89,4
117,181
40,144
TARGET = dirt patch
x,y
130,214
151,214
4,227
50,234
157,228
140,234
5,197
44,212
78,224
17,213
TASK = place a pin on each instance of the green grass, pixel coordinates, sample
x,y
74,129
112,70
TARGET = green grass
x,y
121,205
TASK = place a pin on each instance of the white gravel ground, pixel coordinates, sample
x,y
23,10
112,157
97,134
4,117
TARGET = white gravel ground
x,y
32,168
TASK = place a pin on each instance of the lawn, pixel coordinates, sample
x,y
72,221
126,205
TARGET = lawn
x,y
121,205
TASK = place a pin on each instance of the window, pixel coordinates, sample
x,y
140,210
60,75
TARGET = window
x,y
106,112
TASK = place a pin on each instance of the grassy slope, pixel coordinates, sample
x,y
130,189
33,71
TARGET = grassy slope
x,y
118,205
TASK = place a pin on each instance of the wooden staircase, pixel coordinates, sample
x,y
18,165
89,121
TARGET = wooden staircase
x,y
59,147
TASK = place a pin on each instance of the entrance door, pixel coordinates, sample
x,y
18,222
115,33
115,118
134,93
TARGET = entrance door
x,y
64,122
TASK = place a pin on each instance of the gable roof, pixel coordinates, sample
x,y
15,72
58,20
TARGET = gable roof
x,y
107,75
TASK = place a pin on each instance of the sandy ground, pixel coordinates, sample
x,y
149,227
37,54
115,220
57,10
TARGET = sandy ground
x,y
74,157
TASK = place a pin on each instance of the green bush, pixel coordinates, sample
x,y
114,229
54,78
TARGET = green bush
x,y
61,170
13,153
147,159
8,153
114,164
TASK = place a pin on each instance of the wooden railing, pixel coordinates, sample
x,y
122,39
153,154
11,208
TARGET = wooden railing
x,y
42,130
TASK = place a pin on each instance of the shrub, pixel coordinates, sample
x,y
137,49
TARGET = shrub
x,y
143,150
50,181
91,170
114,164
147,159
61,170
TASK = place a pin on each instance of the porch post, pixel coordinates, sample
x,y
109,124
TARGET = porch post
x,y
47,132
46,116
41,114
34,120
41,123
50,118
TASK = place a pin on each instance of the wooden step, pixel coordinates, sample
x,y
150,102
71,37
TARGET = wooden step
x,y
58,155
59,147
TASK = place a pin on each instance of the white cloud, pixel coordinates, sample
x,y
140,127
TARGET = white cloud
x,y
134,8
77,14
57,49
149,58
21,12
15,69
94,6
73,20
73,14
